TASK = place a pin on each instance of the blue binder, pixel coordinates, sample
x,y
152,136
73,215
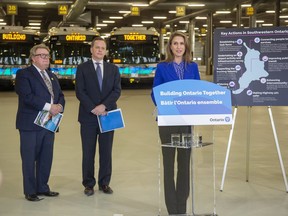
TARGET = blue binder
x,y
112,121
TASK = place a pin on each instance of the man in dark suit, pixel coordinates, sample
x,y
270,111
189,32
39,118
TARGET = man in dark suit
x,y
98,87
36,143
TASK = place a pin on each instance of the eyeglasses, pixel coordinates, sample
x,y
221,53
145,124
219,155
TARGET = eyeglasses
x,y
43,56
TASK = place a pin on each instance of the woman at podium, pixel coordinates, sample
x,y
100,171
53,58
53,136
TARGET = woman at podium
x,y
177,65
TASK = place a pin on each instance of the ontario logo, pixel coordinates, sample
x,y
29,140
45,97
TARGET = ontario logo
x,y
226,119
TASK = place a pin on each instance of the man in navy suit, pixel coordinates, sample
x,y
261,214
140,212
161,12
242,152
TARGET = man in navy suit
x,y
36,143
98,87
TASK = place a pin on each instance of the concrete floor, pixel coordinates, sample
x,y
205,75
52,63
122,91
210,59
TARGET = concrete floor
x,y
136,178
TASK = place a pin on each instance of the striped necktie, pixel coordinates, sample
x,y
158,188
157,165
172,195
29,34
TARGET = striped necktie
x,y
48,83
99,74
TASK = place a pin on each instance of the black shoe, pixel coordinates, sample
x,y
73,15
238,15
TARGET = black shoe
x,y
89,191
32,197
106,189
49,194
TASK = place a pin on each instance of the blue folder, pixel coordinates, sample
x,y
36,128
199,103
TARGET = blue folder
x,y
112,121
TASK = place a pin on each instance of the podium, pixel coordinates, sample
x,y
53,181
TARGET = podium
x,y
188,110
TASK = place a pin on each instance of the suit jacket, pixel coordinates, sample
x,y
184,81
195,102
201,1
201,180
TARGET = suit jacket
x,y
32,96
165,72
88,90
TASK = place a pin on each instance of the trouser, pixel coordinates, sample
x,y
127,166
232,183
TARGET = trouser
x,y
176,193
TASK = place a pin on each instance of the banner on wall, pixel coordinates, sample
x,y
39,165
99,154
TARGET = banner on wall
x,y
192,102
253,64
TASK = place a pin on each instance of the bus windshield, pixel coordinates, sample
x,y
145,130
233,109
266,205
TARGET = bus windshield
x,y
70,54
14,53
134,52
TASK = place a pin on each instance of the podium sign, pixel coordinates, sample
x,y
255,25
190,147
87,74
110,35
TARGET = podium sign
x,y
192,102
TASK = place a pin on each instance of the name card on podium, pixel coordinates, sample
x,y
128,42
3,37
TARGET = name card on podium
x,y
192,102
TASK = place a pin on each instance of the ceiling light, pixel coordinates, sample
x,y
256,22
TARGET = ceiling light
x,y
196,5
147,22
34,24
108,21
37,3
225,21
101,24
1,20
124,12
183,21
223,12
200,18
267,24
116,17
137,25
3,23
260,21
159,17
283,17
235,25
140,5
270,11
246,5
34,27
36,21
172,12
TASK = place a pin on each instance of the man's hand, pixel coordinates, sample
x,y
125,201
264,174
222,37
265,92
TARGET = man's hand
x,y
55,109
99,110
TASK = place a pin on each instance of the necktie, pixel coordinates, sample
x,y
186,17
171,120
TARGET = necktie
x,y
48,83
99,74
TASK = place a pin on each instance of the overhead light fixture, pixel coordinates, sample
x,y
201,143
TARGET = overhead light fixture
x,y
159,17
225,21
196,5
235,25
116,17
124,12
270,11
223,12
183,21
137,25
37,3
36,21
34,24
153,2
283,17
267,24
101,24
200,18
147,22
260,21
35,27
140,5
245,5
108,21
172,12
1,20
3,23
